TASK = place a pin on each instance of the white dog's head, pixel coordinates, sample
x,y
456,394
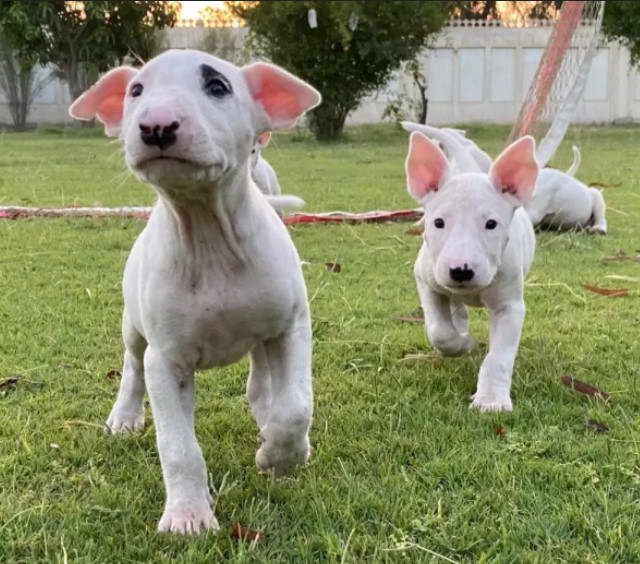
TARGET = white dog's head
x,y
188,118
468,215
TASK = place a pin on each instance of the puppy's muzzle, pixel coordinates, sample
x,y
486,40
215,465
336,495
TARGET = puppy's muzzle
x,y
464,274
158,135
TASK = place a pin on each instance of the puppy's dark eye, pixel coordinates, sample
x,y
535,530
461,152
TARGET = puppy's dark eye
x,y
491,224
217,88
136,90
214,83
439,223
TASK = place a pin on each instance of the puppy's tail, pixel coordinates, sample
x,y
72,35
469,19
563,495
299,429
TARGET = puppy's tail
x,y
577,159
286,202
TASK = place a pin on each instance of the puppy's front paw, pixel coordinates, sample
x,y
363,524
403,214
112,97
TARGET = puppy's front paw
x,y
598,229
187,518
491,402
122,421
280,459
456,345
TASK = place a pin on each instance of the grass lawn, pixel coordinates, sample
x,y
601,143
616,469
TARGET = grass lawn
x,y
402,470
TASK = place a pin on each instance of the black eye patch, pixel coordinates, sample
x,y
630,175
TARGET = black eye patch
x,y
215,83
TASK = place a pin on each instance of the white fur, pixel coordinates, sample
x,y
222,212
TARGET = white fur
x,y
213,277
563,202
500,259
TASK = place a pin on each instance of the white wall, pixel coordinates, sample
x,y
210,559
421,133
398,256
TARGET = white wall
x,y
476,73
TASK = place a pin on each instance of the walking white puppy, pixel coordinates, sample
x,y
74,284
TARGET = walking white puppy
x,y
478,247
214,275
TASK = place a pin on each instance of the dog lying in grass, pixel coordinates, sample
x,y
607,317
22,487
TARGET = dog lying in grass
x,y
214,275
560,201
478,247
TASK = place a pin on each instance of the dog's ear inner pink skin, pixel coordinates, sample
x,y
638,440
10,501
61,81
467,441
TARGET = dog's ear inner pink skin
x,y
263,139
283,96
426,166
515,171
105,100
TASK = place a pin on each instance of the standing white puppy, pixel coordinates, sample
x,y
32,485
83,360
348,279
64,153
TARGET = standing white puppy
x,y
478,247
214,275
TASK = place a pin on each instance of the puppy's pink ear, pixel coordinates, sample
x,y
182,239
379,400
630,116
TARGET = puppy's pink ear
x,y
105,100
283,97
426,166
515,171
263,139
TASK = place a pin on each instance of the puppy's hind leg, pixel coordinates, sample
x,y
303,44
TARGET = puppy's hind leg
x,y
259,386
127,414
286,434
599,207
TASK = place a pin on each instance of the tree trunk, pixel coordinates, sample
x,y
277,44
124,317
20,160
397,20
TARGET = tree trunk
x,y
327,121
17,83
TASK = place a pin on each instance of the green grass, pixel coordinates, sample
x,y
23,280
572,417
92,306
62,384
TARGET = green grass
x,y
401,466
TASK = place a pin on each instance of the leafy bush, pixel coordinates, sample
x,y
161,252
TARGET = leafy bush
x,y
352,51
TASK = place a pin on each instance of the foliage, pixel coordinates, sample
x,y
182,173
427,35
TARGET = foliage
x,y
353,51
488,9
621,22
82,39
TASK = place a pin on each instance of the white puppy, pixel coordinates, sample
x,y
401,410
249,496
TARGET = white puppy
x,y
563,202
478,247
214,275
262,172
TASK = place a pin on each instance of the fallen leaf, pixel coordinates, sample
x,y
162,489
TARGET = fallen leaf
x,y
583,387
609,292
596,426
417,316
245,534
9,382
414,231
597,184
621,255
501,431
333,266
113,374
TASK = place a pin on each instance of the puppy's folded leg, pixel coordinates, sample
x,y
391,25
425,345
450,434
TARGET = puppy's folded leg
x,y
188,504
494,381
441,331
127,413
259,386
286,435
599,220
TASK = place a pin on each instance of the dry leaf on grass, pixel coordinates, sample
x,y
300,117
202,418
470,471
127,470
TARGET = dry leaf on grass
x,y
245,534
621,255
596,426
583,387
113,374
414,231
9,382
597,184
333,266
417,316
501,431
608,292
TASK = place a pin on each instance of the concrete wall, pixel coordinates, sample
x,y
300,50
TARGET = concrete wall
x,y
476,73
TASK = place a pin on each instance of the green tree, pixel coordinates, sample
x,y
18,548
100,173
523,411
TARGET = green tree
x,y
351,52
81,39
621,22
488,9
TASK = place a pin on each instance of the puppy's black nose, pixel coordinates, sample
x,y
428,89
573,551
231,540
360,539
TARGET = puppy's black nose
x,y
461,274
158,135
